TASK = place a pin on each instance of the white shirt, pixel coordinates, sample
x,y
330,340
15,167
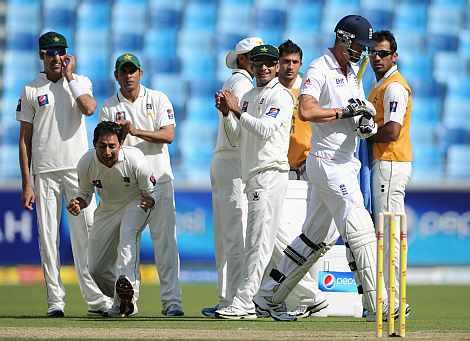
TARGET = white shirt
x,y
395,98
150,111
239,83
59,134
119,185
264,128
325,82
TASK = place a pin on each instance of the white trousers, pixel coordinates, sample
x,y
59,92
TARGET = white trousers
x,y
50,189
229,207
265,192
389,181
162,227
115,246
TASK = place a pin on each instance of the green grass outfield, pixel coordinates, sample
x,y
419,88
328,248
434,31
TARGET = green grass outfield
x,y
439,312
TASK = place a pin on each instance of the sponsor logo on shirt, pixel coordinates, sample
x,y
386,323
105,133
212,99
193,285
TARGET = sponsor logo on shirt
x,y
245,106
120,115
149,106
340,81
153,180
344,190
43,100
97,183
18,106
273,112
261,101
170,113
255,196
393,106
308,82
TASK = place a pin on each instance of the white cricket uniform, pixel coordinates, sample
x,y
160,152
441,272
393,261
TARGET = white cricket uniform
x,y
306,292
59,140
115,235
263,132
151,111
332,170
229,204
393,175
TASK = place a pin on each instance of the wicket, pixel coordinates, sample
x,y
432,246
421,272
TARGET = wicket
x,y
380,265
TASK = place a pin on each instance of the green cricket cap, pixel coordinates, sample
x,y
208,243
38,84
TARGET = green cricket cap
x,y
52,39
125,59
261,52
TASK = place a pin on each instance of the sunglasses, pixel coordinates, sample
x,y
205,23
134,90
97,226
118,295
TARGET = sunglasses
x,y
55,52
260,63
380,53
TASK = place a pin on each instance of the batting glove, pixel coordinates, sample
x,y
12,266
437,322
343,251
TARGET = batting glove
x,y
366,128
356,107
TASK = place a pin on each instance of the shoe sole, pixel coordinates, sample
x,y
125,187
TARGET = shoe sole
x,y
314,309
97,313
125,292
236,317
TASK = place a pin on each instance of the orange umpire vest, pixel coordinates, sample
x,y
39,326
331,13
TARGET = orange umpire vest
x,y
300,135
399,150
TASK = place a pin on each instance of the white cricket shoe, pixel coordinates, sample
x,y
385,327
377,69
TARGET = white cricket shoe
x,y
277,311
304,310
233,313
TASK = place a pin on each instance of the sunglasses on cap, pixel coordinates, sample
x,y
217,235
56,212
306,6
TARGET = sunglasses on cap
x,y
52,52
380,53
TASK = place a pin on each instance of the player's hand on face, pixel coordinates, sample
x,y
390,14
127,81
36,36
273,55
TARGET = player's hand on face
x,y
28,198
146,201
74,207
68,66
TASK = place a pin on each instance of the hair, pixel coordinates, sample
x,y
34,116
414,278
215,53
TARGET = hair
x,y
380,36
108,127
289,47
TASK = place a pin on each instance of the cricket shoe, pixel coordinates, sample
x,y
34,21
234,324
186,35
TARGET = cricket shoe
x,y
261,313
276,311
303,310
371,317
125,292
173,310
233,313
210,311
55,313
97,313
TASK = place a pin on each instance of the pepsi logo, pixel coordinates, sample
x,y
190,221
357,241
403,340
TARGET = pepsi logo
x,y
329,281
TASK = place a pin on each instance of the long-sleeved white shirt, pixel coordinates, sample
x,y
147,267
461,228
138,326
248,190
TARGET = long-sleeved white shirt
x,y
263,129
239,83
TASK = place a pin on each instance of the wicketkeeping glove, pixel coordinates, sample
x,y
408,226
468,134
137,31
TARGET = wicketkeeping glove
x,y
366,128
356,107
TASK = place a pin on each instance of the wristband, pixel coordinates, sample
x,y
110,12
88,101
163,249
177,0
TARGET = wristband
x,y
76,89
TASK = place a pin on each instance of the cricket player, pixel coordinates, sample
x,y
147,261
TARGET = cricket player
x,y
229,204
332,98
52,139
149,122
262,125
126,186
391,146
305,298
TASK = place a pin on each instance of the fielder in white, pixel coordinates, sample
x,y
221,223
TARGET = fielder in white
x,y
391,146
149,121
126,187
229,203
52,140
331,98
262,125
